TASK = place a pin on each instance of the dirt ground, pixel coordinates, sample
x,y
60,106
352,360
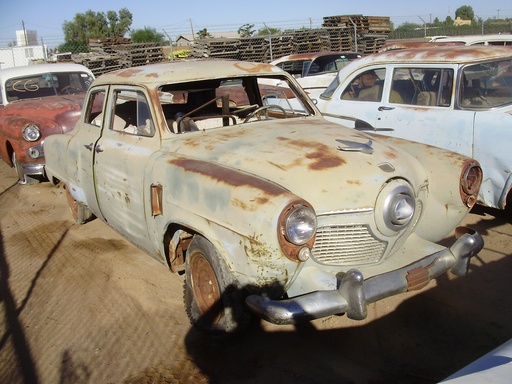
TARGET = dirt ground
x,y
79,304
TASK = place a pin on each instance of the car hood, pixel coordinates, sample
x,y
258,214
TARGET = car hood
x,y
64,110
304,155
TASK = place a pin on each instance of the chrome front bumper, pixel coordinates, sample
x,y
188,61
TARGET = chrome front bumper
x,y
354,293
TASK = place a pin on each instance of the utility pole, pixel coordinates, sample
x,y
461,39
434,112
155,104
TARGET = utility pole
x,y
424,27
192,29
24,32
170,44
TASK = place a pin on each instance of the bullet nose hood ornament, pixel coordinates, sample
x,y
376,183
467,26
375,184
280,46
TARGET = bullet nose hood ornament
x,y
354,146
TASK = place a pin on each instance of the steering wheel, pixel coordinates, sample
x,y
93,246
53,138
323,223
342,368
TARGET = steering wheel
x,y
70,90
265,108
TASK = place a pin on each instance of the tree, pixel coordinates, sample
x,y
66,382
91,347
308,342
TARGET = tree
x,y
147,35
268,31
448,21
246,30
204,34
465,13
90,25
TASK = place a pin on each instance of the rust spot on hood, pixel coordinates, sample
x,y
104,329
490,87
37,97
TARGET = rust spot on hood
x,y
321,155
229,176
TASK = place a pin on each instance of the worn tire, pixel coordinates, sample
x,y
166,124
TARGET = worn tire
x,y
22,178
81,213
213,300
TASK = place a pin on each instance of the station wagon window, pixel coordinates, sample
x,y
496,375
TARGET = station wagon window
x,y
367,86
486,85
423,86
131,113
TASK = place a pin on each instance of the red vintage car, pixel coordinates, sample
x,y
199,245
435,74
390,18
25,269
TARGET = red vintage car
x,y
37,101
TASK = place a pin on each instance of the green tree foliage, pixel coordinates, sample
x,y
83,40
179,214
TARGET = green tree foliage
x,y
91,25
465,13
147,35
246,30
204,34
268,31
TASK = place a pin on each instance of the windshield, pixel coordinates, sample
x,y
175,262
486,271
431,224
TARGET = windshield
x,y
221,102
486,85
47,84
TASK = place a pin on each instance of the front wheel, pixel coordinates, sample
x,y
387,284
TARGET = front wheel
x,y
213,300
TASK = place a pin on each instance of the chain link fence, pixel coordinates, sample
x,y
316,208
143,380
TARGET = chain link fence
x,y
354,33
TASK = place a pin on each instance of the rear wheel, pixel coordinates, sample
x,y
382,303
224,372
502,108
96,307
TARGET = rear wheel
x,y
213,300
81,213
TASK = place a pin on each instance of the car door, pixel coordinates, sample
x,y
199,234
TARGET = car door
x,y
82,145
122,154
425,111
359,97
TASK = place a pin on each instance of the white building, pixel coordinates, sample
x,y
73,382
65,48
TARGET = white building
x,y
24,37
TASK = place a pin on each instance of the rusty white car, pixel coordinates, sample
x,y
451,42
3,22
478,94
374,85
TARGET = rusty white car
x,y
315,70
455,97
263,208
37,101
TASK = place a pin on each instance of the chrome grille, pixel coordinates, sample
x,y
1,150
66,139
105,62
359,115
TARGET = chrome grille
x,y
347,245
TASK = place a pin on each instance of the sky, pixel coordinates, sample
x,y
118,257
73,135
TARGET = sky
x,y
176,18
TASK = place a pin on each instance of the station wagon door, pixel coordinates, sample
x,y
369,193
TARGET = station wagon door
x,y
423,109
123,155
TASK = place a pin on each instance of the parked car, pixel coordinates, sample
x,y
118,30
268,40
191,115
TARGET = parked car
x,y
37,101
497,39
458,98
317,69
205,166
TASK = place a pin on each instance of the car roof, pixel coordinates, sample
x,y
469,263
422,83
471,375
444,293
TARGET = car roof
x,y
474,39
27,70
456,54
186,70
313,55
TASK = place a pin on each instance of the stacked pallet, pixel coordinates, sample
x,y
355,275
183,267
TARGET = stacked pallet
x,y
365,34
109,54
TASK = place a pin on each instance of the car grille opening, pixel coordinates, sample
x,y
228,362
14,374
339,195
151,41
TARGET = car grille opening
x,y
347,245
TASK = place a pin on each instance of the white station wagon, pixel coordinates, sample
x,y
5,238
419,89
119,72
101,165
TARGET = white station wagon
x,y
202,165
453,97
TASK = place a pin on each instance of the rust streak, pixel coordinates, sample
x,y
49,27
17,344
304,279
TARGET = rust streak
x,y
228,176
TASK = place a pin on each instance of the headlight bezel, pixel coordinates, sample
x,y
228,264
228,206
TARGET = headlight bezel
x,y
470,182
291,238
31,133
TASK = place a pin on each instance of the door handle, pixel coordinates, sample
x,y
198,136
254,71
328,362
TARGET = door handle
x,y
88,146
98,149
386,108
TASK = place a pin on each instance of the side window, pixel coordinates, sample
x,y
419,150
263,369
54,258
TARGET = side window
x,y
94,114
422,86
367,86
132,114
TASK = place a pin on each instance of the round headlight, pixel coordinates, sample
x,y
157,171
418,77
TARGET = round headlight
x,y
31,132
300,225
